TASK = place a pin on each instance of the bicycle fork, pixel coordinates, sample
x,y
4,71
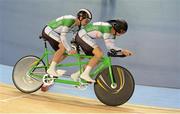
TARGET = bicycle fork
x,y
106,63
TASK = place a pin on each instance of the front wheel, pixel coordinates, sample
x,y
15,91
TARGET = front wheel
x,y
118,93
23,79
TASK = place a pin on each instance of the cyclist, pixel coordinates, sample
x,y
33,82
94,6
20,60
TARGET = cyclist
x,y
105,30
55,33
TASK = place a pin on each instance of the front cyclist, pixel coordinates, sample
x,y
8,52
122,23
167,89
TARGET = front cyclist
x,y
105,30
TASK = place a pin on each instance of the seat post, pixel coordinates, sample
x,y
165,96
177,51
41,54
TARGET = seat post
x,y
46,52
45,44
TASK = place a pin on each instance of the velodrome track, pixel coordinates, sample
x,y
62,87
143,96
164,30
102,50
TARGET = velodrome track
x,y
14,101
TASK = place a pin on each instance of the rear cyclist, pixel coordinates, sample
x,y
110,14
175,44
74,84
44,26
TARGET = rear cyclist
x,y
55,33
105,30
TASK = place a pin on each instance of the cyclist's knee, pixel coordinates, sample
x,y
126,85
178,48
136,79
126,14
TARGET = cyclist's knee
x,y
98,53
61,47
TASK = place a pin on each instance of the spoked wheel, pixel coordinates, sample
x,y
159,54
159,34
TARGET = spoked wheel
x,y
118,93
22,78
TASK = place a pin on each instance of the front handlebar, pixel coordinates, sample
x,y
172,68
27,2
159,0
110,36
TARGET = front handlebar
x,y
113,53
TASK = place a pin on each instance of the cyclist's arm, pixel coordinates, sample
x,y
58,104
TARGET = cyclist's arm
x,y
64,39
110,42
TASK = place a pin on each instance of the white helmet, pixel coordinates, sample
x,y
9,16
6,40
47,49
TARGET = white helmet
x,y
84,13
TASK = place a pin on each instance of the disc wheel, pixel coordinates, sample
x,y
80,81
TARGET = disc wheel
x,y
118,93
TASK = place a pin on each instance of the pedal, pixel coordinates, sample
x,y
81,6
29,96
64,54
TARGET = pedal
x,y
47,80
82,86
53,77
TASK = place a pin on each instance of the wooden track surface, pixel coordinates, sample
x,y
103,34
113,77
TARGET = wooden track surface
x,y
12,100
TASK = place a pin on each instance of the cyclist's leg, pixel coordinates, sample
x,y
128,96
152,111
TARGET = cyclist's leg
x,y
52,38
98,54
90,47
57,58
59,54
87,50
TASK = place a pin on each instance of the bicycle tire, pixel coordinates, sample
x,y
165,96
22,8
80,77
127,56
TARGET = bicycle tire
x,y
21,80
123,90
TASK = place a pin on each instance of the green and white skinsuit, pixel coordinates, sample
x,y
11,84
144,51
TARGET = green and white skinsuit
x,y
98,30
57,29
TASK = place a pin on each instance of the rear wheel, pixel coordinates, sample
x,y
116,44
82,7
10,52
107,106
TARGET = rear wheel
x,y
22,79
120,92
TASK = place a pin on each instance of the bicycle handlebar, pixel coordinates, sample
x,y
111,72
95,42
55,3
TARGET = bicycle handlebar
x,y
113,53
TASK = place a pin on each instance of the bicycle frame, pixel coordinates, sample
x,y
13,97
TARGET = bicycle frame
x,y
104,63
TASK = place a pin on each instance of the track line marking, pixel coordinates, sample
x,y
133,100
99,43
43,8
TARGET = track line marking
x,y
13,98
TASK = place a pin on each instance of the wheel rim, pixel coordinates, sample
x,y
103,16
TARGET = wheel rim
x,y
22,80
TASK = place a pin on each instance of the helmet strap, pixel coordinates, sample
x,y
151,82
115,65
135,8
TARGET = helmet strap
x,y
115,35
80,18
79,27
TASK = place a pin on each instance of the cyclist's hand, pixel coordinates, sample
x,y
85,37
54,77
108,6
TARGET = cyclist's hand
x,y
126,52
73,51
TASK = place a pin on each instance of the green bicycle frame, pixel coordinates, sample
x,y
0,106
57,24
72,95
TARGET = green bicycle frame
x,y
104,63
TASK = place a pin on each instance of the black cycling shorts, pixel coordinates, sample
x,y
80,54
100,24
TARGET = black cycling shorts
x,y
84,46
54,44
